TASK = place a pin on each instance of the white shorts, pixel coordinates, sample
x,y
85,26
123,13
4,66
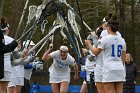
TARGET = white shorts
x,y
7,76
113,76
98,74
20,81
12,83
88,75
59,79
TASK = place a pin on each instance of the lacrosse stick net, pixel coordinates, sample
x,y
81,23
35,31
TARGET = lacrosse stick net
x,y
31,15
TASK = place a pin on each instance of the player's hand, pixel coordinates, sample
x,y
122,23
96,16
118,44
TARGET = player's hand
x,y
84,50
87,42
25,52
51,46
94,34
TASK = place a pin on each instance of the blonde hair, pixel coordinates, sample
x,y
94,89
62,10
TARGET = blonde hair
x,y
131,59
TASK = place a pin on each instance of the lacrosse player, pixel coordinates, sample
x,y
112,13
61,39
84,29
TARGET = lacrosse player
x,y
59,70
114,49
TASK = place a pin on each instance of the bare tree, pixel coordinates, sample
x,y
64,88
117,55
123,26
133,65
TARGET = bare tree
x,y
132,24
116,6
1,7
122,17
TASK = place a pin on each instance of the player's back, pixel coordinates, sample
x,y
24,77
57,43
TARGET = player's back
x,y
113,48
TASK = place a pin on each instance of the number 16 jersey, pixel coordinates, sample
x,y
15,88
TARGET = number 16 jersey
x,y
113,68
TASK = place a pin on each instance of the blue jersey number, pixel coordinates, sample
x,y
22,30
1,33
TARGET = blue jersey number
x,y
119,50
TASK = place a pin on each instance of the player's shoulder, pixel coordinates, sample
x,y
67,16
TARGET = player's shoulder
x,y
121,39
55,53
70,57
104,33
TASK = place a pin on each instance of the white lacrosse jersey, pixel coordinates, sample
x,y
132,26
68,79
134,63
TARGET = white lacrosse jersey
x,y
28,73
19,71
105,33
98,69
60,68
7,56
89,65
112,47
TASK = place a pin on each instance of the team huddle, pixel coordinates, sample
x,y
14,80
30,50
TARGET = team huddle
x,y
105,56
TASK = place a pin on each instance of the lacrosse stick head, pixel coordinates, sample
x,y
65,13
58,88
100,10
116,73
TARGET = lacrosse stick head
x,y
49,9
45,2
32,12
41,7
43,25
60,20
62,1
71,15
39,11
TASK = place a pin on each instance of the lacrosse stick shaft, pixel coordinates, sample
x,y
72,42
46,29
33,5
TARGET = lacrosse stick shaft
x,y
78,47
71,18
31,15
21,19
81,18
41,47
47,36
78,16
63,34
30,29
51,36
37,21
25,34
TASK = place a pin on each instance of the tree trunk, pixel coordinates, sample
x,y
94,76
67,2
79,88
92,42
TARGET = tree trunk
x,y
1,7
133,26
116,6
122,18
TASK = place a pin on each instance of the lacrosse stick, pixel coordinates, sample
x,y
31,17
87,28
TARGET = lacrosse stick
x,y
41,47
69,7
43,29
40,8
62,33
80,17
21,19
41,14
43,26
47,36
33,27
51,37
64,25
47,10
32,12
60,21
66,22
71,19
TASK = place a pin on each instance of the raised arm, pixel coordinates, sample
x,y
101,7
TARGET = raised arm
x,y
95,51
46,56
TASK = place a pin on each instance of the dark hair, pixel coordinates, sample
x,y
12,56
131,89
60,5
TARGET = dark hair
x,y
99,31
107,17
113,23
3,24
